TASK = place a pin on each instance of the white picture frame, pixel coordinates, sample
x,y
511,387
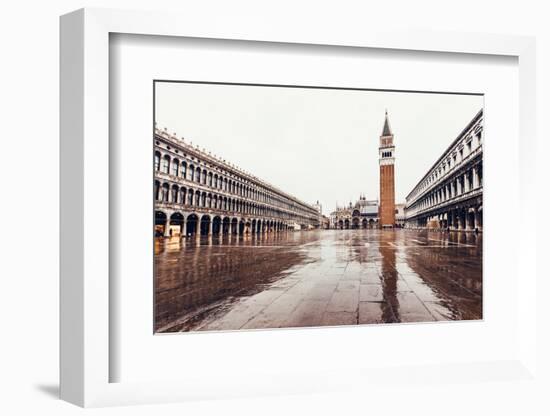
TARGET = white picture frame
x,y
85,263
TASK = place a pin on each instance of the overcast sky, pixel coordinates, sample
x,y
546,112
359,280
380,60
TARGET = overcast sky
x,y
316,144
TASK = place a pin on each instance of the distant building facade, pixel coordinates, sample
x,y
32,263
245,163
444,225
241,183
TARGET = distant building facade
x,y
387,176
400,215
450,194
319,208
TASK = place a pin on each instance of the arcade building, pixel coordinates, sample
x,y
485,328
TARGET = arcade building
x,y
197,193
450,195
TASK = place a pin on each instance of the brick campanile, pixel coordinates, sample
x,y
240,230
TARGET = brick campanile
x,y
387,177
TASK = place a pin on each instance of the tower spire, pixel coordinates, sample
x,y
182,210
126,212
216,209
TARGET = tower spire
x,y
386,131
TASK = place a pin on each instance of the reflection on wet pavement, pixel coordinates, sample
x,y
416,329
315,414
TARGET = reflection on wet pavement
x,y
317,278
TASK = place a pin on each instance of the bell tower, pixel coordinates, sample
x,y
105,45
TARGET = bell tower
x,y
387,176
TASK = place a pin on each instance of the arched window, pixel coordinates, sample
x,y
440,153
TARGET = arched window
x,y
198,199
210,179
165,192
166,164
203,200
204,177
157,161
191,173
184,170
198,175
175,167
183,196
157,189
175,192
190,197
480,175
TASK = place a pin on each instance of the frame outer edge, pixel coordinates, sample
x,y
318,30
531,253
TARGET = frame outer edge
x,y
71,216
527,317
95,198
84,359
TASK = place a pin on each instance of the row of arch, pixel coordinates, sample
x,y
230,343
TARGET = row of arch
x,y
469,218
190,172
356,223
195,224
460,184
181,195
467,147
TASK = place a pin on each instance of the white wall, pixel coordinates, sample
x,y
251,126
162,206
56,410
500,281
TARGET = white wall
x,y
29,172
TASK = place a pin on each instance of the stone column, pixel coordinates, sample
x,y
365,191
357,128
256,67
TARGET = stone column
x,y
477,222
167,227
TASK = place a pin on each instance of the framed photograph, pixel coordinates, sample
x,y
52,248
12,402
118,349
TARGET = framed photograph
x,y
265,212
234,252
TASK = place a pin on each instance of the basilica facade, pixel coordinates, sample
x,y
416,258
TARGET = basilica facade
x,y
361,215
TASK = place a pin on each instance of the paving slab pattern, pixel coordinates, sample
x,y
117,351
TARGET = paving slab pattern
x,y
317,278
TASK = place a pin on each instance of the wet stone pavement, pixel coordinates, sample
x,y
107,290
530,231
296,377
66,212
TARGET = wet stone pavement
x,y
317,278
